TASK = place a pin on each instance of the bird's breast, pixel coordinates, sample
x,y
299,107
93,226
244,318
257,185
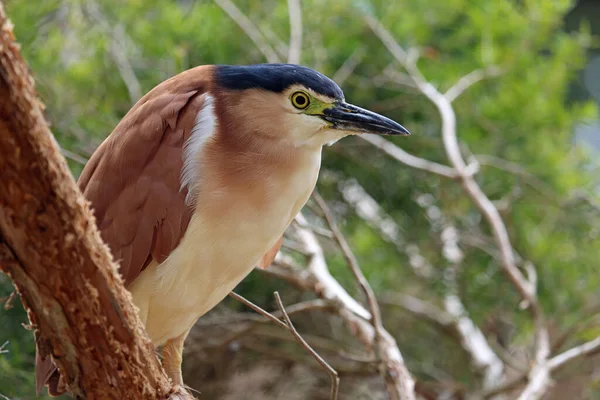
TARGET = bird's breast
x,y
233,226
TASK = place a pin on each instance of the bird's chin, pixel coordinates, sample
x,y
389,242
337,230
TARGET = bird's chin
x,y
333,135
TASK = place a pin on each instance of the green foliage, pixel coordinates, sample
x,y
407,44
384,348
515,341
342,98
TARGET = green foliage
x,y
522,116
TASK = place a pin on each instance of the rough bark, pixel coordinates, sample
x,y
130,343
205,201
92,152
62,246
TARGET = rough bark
x,y
51,249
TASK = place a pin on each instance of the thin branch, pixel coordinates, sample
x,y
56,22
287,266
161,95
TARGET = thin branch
x,y
508,386
536,377
8,302
518,170
295,48
399,383
73,156
249,29
588,348
539,375
287,325
3,349
352,263
117,50
278,45
469,80
258,309
348,67
326,233
449,137
405,158
335,379
294,246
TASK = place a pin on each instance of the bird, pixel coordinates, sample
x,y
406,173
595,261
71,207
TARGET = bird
x,y
197,183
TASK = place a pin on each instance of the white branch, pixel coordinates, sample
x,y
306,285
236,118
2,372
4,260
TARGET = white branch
x,y
454,316
331,289
347,68
452,148
248,27
400,383
469,80
588,348
539,381
482,356
295,47
405,158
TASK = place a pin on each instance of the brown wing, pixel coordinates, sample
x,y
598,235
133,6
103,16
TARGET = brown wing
x,y
133,180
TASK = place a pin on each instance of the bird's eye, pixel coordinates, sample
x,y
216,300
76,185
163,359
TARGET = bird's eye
x,y
300,100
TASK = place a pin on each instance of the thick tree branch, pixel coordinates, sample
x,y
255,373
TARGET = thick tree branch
x,y
51,249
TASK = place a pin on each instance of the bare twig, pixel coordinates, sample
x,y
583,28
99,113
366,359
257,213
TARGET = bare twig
x,y
287,325
249,29
539,377
518,170
326,233
405,158
399,383
335,380
8,303
3,348
352,263
539,374
588,348
117,50
258,309
295,47
73,156
469,80
347,68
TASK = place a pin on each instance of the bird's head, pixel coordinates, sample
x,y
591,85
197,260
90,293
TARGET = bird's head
x,y
296,104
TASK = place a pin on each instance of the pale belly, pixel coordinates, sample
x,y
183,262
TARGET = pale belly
x,y
211,260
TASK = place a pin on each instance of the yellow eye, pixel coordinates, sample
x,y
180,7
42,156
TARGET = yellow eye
x,y
300,100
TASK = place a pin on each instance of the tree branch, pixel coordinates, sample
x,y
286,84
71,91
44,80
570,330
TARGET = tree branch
x,y
539,377
249,29
399,383
295,47
406,158
347,68
289,326
586,349
50,247
469,80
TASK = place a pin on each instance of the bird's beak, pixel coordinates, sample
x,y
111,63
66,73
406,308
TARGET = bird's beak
x,y
347,117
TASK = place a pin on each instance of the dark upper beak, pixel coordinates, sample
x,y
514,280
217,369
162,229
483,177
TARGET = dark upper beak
x,y
348,117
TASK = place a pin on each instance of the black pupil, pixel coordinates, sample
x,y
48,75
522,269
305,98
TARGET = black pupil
x,y
301,100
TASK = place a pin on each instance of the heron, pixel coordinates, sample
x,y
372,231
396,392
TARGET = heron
x,y
197,183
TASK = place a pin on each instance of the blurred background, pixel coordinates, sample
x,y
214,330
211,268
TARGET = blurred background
x,y
531,123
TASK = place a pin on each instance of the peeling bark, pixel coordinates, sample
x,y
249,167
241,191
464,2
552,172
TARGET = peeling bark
x,y
49,246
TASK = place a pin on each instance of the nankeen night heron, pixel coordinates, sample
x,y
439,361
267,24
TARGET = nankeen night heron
x,y
197,183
